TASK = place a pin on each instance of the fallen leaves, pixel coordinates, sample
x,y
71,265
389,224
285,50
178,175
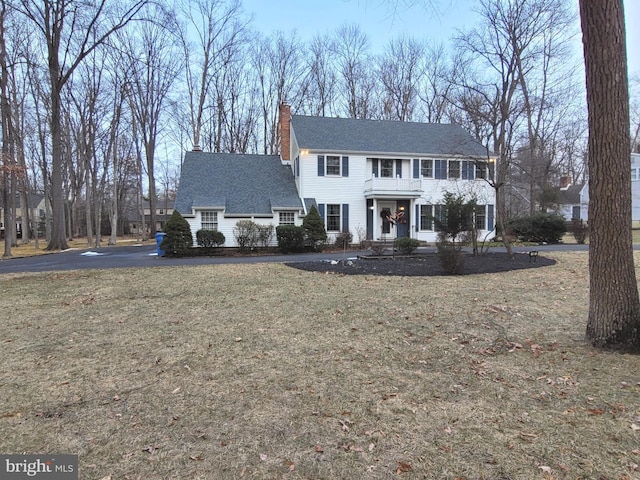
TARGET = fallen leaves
x,y
529,437
403,467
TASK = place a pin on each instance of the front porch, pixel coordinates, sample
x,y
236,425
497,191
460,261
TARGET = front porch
x,y
388,219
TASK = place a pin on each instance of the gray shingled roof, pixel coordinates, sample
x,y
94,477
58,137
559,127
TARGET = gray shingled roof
x,y
242,184
384,137
570,195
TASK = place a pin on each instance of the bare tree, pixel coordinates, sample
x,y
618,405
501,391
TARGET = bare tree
x,y
401,72
213,30
436,89
7,165
84,95
320,96
516,41
153,68
354,65
71,32
540,34
278,63
240,114
614,305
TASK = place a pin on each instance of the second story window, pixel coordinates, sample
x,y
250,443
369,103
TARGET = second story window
x,y
426,168
481,170
454,169
333,165
386,168
468,170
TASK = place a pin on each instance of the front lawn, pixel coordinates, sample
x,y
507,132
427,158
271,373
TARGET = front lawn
x,y
265,371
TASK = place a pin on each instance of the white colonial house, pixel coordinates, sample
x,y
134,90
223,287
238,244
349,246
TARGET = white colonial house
x,y
635,194
377,179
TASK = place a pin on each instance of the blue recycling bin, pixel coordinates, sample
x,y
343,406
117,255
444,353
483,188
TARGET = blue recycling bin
x,y
159,237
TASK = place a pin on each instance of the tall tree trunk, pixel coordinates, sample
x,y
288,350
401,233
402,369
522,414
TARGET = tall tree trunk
x,y
58,225
88,199
7,160
614,305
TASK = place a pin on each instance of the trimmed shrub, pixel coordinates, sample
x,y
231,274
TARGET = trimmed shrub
x,y
209,238
451,257
290,238
343,239
178,239
246,234
579,230
264,234
313,225
406,245
539,228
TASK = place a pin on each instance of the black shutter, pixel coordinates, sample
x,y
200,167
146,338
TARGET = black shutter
x,y
345,166
345,217
321,165
399,168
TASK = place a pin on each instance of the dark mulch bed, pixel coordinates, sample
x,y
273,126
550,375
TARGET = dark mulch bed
x,y
424,265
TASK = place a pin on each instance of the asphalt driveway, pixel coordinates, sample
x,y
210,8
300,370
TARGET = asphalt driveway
x,y
141,256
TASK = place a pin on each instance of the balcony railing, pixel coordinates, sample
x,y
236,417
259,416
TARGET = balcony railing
x,y
407,186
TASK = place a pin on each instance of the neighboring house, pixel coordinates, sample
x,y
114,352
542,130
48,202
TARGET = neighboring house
x,y
376,179
37,206
635,194
569,200
164,210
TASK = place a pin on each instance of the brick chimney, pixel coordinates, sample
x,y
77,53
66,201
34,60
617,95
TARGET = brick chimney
x,y
285,130
565,182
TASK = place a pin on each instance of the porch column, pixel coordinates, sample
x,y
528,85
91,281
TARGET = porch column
x,y
375,219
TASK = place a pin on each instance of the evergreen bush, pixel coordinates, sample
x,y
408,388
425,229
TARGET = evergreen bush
x,y
313,225
178,239
406,245
456,224
290,238
209,238
450,256
540,228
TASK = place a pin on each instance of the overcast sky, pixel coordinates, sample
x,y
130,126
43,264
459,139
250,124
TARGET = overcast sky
x,y
375,17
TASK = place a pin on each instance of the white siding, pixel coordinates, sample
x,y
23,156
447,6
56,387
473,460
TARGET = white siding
x,y
227,224
351,190
334,189
635,195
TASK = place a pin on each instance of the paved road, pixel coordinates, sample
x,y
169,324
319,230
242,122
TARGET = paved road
x,y
140,256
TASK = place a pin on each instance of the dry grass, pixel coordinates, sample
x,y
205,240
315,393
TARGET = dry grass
x,y
267,372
